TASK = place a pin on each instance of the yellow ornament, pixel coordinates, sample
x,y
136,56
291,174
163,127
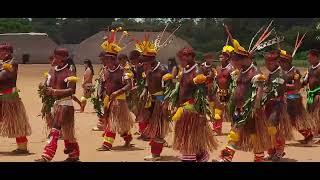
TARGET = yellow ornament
x,y
217,114
178,114
167,77
72,79
144,75
7,67
128,75
233,136
296,76
200,79
227,49
106,102
236,72
261,77
238,48
46,74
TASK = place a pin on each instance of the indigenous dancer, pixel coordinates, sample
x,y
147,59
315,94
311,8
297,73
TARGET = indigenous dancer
x,y
137,93
114,87
173,67
279,125
14,122
87,85
128,68
312,80
223,83
249,130
210,72
299,117
62,85
97,100
193,136
47,101
156,111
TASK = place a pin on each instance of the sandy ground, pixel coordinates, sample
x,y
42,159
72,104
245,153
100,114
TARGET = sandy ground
x,y
28,80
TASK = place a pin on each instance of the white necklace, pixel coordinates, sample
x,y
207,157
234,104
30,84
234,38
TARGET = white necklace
x,y
314,67
223,68
113,70
290,69
2,61
189,70
205,64
56,68
243,72
275,70
157,66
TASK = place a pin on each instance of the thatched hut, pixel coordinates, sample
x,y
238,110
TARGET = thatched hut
x,y
33,47
90,48
71,47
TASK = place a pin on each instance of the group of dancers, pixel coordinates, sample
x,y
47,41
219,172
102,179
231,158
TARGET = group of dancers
x,y
191,99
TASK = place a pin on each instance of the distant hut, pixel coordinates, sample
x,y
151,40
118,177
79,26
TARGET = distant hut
x,y
71,47
90,48
32,48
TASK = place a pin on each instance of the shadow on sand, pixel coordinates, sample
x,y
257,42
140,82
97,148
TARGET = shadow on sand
x,y
122,148
13,154
297,144
288,160
170,159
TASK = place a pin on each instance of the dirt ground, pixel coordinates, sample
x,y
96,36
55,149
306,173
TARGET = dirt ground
x,y
28,80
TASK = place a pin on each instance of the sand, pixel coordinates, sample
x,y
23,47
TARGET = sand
x,y
28,80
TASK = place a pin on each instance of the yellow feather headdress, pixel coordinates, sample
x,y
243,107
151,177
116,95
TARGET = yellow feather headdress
x,y
150,48
238,49
111,45
227,49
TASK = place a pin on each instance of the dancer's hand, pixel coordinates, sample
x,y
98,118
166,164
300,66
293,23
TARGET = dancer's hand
x,y
41,85
113,96
49,91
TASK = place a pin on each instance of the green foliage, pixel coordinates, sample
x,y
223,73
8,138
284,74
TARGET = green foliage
x,y
47,101
15,25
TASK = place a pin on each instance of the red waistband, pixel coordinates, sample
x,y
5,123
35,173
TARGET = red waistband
x,y
291,92
7,91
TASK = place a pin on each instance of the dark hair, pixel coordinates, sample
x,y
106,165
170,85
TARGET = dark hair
x,y
88,62
315,52
135,54
173,63
122,56
272,55
71,63
238,56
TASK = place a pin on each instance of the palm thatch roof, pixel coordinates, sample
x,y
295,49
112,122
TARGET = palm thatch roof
x,y
37,45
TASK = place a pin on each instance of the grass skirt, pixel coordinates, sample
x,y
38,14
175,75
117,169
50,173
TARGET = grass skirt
x,y
14,121
299,116
120,120
193,134
158,123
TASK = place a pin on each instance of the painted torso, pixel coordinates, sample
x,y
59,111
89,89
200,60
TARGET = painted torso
x,y
113,81
154,79
8,79
244,86
187,86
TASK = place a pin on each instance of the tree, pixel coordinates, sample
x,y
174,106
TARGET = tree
x,y
15,25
